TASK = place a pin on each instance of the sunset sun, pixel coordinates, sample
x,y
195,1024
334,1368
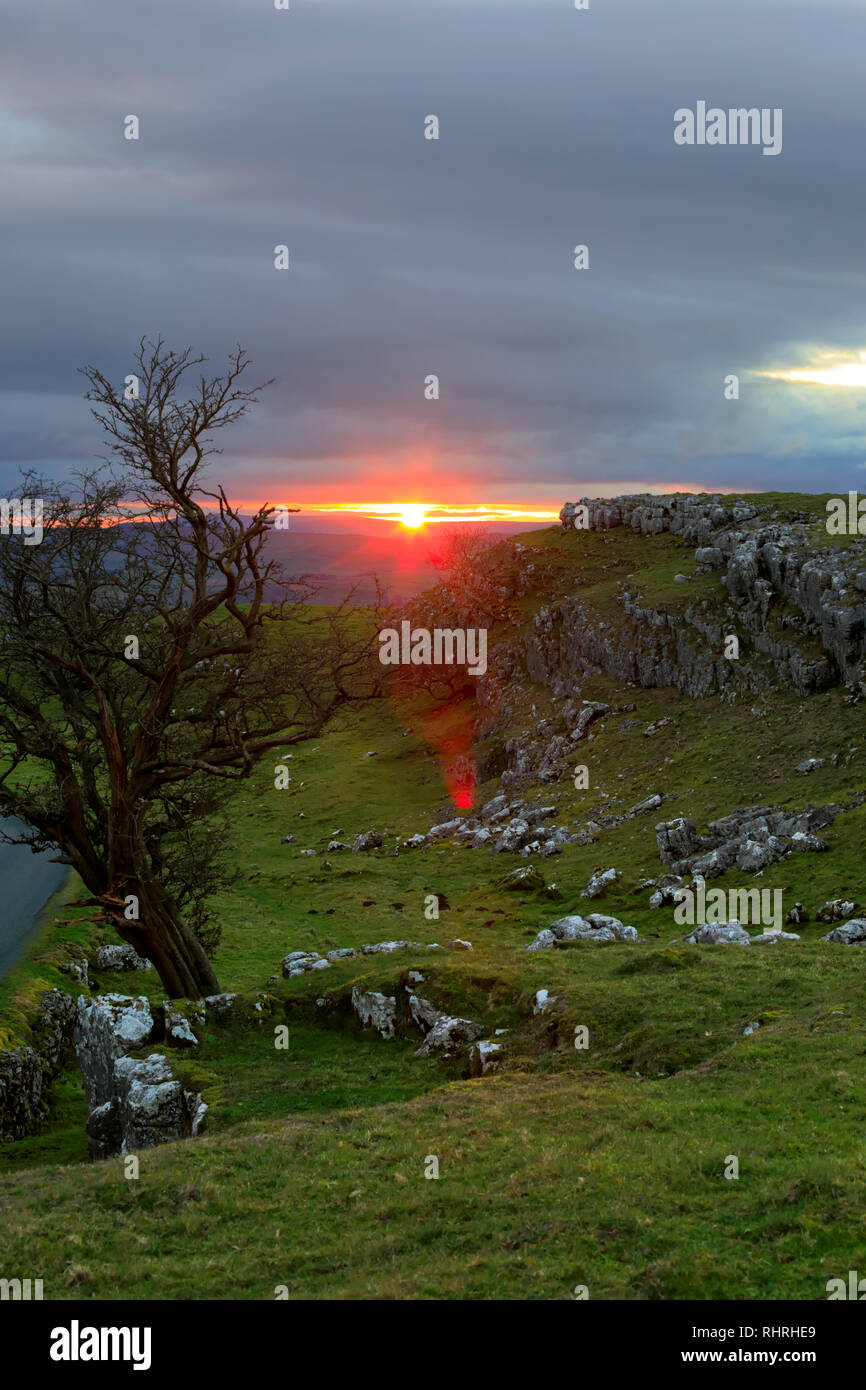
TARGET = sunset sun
x,y
412,516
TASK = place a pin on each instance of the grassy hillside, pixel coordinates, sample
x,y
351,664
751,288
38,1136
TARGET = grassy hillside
x,y
602,1167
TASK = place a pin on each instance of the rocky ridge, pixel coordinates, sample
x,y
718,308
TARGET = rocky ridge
x,y
769,567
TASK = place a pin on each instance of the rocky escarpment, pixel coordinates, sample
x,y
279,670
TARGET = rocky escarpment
x,y
782,591
27,1071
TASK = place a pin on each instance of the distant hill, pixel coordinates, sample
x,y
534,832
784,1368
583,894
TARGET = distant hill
x,y
341,563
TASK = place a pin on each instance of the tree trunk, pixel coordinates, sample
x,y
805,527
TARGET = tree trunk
x,y
162,935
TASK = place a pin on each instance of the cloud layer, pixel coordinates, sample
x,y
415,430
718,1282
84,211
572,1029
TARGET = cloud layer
x,y
453,257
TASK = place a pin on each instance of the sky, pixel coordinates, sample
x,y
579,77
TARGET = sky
x,y
455,257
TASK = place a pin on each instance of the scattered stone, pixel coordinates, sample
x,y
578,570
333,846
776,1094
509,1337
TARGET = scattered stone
x,y
667,892
599,883
289,840
458,945
591,711
803,843
178,1032
119,958
751,1028
448,1032
836,909
718,933
375,1010
544,1001
498,805
750,838
853,933
446,829
752,855
651,803
367,840
299,962
543,941
769,938
482,1057
423,1013
512,837
796,915
526,879
76,965
220,1003
810,765
594,927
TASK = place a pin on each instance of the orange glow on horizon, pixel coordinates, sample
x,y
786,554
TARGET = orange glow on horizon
x,y
415,514
448,514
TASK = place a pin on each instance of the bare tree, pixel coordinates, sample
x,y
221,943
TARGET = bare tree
x,y
152,655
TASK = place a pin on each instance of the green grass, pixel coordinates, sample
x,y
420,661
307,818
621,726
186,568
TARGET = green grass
x,y
602,1167
545,1183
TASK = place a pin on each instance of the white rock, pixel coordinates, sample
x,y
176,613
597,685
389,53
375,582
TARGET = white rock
x,y
718,933
485,1052
121,958
850,933
447,1032
375,1010
599,883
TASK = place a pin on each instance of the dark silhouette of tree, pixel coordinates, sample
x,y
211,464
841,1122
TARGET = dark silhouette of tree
x,y
152,654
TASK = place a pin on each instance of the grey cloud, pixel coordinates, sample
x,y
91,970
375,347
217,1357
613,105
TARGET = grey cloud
x,y
454,256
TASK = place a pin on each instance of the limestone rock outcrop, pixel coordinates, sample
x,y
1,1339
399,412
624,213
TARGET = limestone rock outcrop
x,y
132,1102
27,1071
766,565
